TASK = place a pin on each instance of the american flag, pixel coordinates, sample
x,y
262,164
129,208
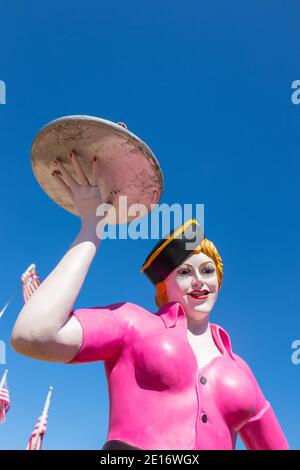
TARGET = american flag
x,y
37,436
30,281
4,398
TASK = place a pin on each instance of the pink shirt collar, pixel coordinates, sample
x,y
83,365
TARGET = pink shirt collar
x,y
173,314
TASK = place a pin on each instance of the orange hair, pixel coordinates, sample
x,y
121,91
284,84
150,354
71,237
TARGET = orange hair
x,y
208,248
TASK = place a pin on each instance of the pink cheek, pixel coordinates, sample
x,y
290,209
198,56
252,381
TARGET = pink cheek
x,y
213,285
183,287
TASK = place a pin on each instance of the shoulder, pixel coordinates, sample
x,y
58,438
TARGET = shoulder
x,y
117,309
129,314
243,365
124,313
123,309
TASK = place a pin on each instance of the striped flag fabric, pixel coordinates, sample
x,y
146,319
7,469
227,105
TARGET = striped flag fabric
x,y
4,398
36,438
30,281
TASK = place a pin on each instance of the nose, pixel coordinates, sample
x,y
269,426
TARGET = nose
x,y
197,281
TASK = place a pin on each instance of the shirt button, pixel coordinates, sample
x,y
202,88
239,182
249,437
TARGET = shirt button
x,y
204,418
203,380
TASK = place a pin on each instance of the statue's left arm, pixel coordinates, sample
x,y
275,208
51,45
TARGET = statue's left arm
x,y
262,431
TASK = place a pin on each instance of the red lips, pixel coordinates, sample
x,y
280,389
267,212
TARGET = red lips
x,y
199,294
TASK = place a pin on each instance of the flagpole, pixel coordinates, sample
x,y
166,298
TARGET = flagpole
x,y
47,402
45,409
35,439
3,380
9,301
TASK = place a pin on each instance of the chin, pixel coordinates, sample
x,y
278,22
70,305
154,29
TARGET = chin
x,y
203,308
196,316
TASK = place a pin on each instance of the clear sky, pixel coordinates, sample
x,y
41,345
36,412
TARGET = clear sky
x,y
207,85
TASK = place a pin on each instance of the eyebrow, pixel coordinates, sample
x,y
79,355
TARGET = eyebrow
x,y
205,262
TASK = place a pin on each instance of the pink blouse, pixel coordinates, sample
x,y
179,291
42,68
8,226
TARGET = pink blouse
x,y
159,398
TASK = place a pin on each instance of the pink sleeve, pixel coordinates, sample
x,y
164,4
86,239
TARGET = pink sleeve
x,y
101,332
262,431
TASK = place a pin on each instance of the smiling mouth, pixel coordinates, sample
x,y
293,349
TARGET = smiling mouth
x,y
199,294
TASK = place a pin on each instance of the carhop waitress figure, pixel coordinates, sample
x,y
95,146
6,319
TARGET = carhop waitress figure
x,y
174,380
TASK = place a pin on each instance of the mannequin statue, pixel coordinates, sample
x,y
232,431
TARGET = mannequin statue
x,y
174,381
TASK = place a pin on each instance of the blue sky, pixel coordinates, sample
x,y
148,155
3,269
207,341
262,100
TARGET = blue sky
x,y
208,88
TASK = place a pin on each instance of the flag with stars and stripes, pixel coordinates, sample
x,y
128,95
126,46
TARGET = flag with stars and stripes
x,y
36,439
4,398
30,281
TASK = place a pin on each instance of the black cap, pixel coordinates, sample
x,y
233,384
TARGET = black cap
x,y
172,250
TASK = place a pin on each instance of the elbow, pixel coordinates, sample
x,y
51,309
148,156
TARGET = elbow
x,y
19,344
23,336
29,344
22,344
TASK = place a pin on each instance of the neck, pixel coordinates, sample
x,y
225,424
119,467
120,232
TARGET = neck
x,y
198,327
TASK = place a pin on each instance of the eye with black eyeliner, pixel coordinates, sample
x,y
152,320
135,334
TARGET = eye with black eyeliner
x,y
183,272
208,271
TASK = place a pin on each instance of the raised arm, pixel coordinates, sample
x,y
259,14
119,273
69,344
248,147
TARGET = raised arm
x,y
43,329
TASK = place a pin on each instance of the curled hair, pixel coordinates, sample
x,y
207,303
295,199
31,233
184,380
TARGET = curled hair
x,y
208,248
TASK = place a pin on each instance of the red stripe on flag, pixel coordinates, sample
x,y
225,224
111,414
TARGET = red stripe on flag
x,y
4,403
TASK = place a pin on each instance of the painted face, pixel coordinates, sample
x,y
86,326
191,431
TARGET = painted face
x,y
195,285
